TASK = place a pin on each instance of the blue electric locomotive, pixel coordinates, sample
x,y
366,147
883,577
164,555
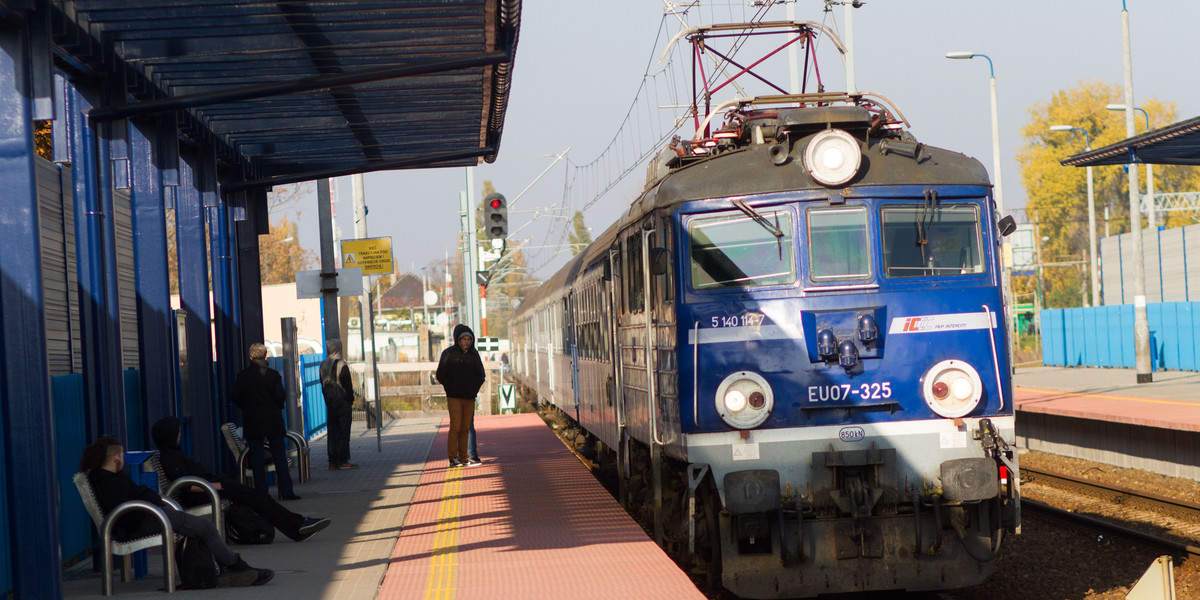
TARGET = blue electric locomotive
x,y
791,351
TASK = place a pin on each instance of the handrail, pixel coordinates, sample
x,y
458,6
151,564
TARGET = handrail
x,y
995,357
168,533
213,496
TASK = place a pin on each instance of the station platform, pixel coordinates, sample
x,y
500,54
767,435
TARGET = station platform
x,y
530,522
1171,401
1104,415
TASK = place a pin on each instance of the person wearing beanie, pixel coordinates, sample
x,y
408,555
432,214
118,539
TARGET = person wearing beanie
x,y
460,371
258,391
338,391
103,461
175,464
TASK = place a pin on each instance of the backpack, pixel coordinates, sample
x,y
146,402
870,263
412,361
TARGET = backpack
x,y
246,527
337,401
197,567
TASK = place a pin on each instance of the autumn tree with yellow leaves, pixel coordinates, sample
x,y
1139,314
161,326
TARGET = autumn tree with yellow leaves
x,y
1057,195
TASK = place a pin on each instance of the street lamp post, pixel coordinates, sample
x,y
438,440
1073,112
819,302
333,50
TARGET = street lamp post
x,y
1141,325
1095,273
1005,272
1151,206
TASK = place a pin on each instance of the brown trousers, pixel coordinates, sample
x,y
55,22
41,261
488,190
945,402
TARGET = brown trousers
x,y
462,413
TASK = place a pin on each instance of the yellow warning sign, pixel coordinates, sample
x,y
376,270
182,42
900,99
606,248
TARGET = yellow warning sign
x,y
372,255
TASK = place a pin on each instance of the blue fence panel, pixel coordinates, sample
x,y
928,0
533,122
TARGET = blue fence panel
x,y
1189,330
1103,336
314,401
70,436
1053,337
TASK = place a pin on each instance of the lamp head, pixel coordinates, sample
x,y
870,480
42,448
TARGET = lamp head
x,y
1061,128
960,55
1115,106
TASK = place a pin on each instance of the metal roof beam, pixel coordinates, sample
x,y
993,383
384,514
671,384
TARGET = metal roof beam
x,y
306,84
406,163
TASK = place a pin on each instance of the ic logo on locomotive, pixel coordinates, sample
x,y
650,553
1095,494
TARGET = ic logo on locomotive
x,y
851,434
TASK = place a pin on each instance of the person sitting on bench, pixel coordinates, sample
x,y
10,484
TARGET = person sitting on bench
x,y
104,463
175,464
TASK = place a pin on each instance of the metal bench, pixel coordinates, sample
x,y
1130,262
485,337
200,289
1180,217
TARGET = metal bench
x,y
241,454
109,546
172,489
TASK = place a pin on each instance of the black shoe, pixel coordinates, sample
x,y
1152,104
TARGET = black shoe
x,y
335,466
474,462
455,463
264,575
311,526
230,579
348,465
286,498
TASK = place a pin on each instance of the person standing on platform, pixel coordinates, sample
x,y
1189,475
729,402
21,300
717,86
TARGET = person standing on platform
x,y
460,371
258,391
338,390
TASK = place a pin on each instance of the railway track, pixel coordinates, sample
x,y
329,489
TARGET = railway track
x,y
1126,499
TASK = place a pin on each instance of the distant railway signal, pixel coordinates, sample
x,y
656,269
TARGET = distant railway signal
x,y
495,216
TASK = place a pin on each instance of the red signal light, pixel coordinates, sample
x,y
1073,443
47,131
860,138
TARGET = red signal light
x,y
495,203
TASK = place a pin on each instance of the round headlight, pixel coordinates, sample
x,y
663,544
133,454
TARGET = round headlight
x,y
952,388
832,157
744,400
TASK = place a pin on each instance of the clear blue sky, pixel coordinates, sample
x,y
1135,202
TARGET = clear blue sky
x,y
579,66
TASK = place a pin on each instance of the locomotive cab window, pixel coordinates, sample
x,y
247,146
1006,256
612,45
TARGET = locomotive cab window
x,y
736,251
940,242
837,244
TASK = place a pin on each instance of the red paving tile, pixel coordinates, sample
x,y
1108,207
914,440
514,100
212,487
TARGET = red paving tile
x,y
1133,410
531,520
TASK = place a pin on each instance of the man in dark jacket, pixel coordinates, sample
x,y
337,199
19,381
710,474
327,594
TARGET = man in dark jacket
x,y
258,391
104,463
460,371
175,464
338,390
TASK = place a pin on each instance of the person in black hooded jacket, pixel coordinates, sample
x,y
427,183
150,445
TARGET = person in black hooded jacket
x,y
175,464
460,371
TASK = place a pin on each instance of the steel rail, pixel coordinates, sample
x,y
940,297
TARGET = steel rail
x,y
1178,547
1147,498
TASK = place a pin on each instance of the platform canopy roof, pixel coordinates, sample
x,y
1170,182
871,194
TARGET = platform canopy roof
x,y
293,90
1177,144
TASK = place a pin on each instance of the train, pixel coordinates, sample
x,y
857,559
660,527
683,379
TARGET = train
x,y
791,352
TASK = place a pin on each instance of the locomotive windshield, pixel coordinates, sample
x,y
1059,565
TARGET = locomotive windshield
x,y
941,241
737,251
838,244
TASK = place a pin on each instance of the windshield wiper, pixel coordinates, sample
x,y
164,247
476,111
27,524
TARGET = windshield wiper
x,y
758,218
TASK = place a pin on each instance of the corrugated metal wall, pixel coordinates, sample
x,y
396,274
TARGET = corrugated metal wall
x,y
1102,336
60,285
1170,276
126,278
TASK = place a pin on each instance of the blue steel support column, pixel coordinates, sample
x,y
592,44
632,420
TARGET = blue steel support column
x,y
193,298
153,279
249,270
32,496
93,239
229,356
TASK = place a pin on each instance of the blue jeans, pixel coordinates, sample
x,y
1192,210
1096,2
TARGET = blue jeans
x,y
471,452
283,478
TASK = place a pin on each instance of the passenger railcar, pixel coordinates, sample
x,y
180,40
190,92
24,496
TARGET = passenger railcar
x,y
792,351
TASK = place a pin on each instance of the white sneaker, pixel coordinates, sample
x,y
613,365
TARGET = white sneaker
x,y
474,462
